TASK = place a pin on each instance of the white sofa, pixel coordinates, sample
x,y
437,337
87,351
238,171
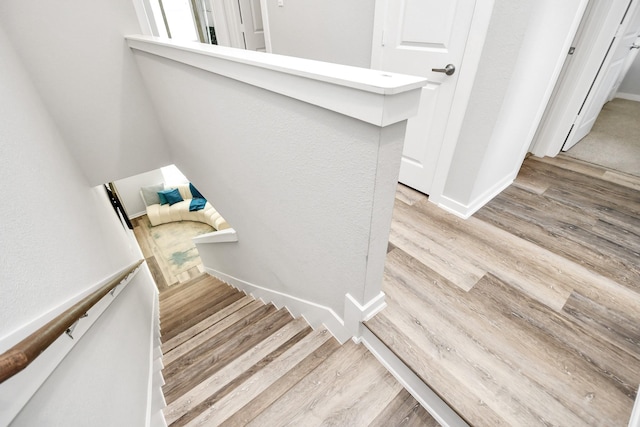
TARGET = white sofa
x,y
162,214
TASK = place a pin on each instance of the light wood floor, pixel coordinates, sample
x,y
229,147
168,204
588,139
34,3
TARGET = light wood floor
x,y
230,360
528,313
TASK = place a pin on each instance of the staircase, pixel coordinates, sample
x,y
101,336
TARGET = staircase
x,y
232,360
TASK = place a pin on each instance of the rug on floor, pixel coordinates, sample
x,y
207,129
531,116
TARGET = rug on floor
x,y
173,247
614,141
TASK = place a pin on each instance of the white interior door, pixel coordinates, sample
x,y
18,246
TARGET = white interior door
x,y
609,76
418,36
252,27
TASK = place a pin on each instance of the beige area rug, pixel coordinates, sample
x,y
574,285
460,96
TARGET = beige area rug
x,y
614,141
173,248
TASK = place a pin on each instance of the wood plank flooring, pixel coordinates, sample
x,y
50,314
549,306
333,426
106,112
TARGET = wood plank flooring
x,y
233,361
528,313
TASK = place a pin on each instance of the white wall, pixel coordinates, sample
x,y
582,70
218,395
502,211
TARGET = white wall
x,y
103,381
522,58
60,236
77,58
330,30
631,83
129,190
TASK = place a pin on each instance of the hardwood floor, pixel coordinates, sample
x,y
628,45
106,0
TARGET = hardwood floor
x,y
528,313
233,361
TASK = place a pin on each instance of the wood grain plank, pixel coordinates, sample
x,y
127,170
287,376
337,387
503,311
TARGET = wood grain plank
x,y
156,273
315,401
251,410
219,411
501,254
459,356
408,195
404,411
188,371
205,324
213,383
408,234
208,335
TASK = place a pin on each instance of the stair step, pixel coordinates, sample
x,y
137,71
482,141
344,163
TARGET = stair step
x,y
250,363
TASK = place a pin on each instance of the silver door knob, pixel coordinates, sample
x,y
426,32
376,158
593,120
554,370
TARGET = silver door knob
x,y
635,46
448,70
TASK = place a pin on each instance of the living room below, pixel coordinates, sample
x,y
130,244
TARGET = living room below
x,y
166,212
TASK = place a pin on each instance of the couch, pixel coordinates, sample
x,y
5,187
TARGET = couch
x,y
161,211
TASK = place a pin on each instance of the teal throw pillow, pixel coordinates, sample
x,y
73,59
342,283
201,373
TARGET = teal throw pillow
x,y
173,196
162,195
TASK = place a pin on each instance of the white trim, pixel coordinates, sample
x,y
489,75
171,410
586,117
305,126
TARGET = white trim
x,y
465,211
146,24
137,214
232,19
438,409
375,97
152,383
223,236
471,60
629,96
17,390
355,313
634,421
266,27
315,314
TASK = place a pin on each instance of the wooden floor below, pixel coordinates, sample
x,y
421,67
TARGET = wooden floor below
x,y
230,360
527,313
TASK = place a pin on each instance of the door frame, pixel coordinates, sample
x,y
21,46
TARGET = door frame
x,y
600,24
467,72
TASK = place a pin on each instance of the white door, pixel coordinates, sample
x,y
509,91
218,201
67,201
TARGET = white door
x,y
252,28
610,76
418,36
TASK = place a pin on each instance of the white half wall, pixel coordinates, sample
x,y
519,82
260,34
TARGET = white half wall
x,y
308,190
77,58
335,31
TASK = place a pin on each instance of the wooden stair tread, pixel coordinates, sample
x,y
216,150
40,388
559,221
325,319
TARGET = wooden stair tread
x,y
247,361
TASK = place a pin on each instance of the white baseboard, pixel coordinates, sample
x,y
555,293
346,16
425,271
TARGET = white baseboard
x,y
465,211
155,397
315,314
227,235
629,96
634,421
438,409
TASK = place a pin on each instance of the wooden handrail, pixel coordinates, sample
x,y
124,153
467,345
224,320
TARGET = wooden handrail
x,y
22,354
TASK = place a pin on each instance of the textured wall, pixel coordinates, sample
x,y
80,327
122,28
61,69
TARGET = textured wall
x,y
77,58
59,237
336,31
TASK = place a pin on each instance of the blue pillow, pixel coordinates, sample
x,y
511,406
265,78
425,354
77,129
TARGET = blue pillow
x,y
162,195
197,204
194,192
173,196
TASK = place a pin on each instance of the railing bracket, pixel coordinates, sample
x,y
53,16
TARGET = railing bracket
x,y
70,329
